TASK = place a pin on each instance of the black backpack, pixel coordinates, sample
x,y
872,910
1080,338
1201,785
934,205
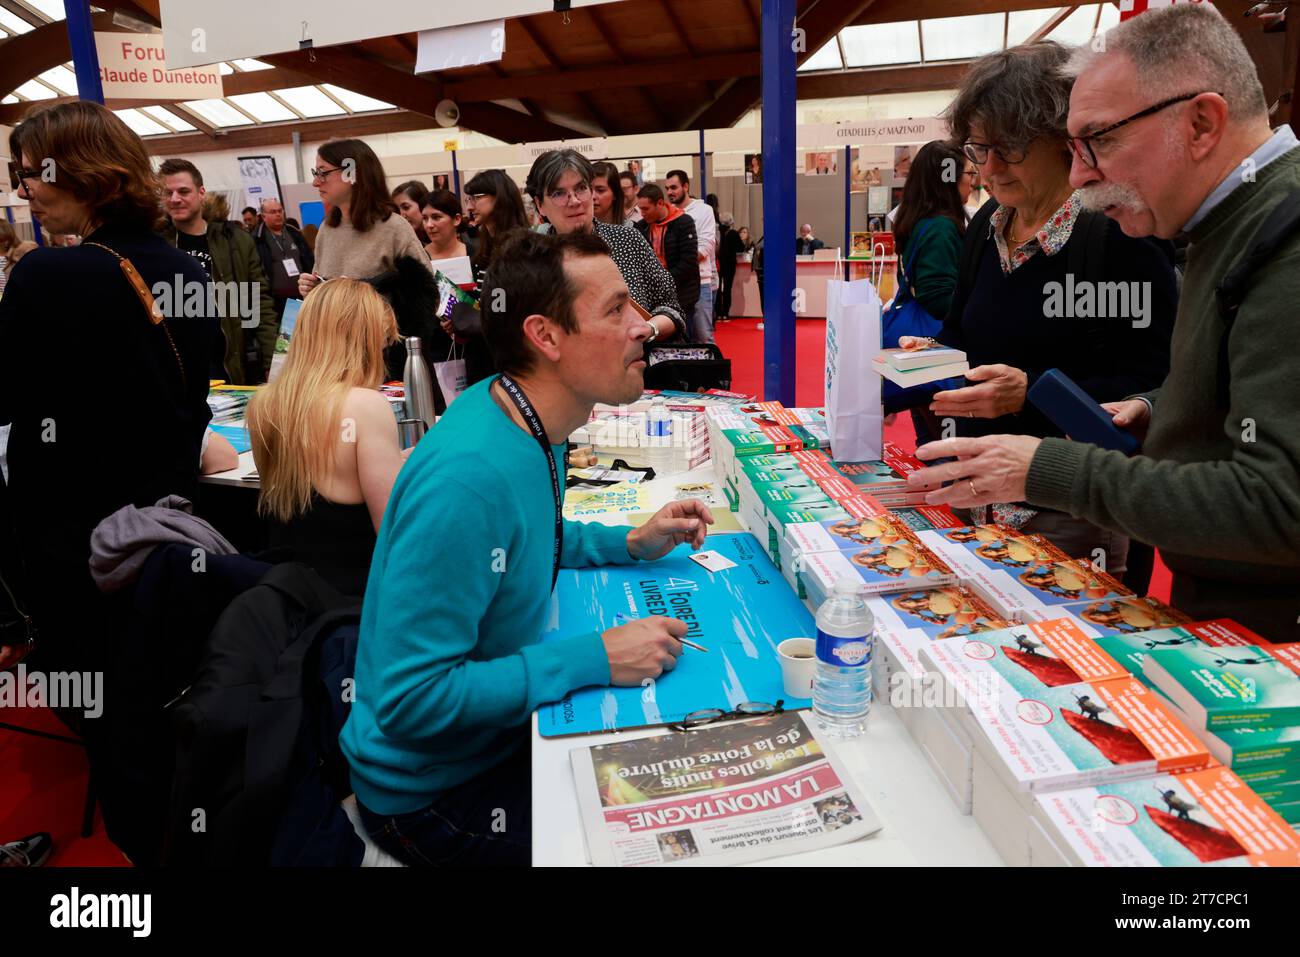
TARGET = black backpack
x,y
244,724
687,367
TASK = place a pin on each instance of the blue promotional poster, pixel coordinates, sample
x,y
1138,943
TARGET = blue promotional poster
x,y
739,614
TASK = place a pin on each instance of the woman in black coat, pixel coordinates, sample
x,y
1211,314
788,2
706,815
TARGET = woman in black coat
x,y
107,404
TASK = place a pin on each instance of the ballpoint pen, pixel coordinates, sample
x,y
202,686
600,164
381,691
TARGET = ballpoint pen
x,y
624,619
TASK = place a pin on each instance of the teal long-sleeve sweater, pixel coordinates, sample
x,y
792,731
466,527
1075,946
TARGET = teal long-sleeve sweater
x,y
448,662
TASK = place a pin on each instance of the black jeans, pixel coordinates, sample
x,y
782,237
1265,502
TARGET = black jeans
x,y
487,820
724,295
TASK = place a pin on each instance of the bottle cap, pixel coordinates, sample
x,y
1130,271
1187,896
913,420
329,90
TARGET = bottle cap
x,y
412,343
846,587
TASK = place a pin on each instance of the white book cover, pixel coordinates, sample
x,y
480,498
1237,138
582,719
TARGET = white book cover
x,y
1071,735
1196,818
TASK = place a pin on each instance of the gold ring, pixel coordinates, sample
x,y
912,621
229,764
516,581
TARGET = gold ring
x,y
974,491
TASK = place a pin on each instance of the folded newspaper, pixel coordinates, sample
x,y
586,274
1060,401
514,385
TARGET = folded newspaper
x,y
724,794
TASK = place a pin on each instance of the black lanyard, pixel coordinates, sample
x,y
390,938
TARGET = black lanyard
x,y
535,426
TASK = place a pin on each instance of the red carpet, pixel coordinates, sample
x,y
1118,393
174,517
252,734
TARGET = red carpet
x,y
45,781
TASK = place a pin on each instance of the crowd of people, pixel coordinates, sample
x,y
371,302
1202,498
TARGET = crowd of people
x,y
448,667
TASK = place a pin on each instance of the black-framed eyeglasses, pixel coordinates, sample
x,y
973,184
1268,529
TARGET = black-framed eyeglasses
x,y
324,171
1082,145
746,709
978,153
18,175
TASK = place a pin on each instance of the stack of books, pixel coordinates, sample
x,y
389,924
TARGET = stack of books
x,y
1189,818
620,431
886,479
1244,701
228,402
908,367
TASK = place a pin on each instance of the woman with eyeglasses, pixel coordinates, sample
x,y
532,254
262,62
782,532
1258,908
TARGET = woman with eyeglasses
x,y
94,304
363,235
1036,284
560,183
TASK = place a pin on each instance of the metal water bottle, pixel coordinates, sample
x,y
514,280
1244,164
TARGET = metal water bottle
x,y
418,384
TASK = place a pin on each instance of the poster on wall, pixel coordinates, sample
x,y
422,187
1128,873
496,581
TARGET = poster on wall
x,y
877,200
821,164
728,164
260,178
903,156
753,169
442,181
870,166
642,169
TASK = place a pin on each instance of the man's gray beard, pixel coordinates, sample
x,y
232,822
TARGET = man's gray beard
x,y
1102,195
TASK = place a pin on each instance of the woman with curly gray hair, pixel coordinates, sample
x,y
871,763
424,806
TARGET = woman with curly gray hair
x,y
1034,268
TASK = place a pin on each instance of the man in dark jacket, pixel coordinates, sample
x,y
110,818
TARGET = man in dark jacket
x,y
729,247
671,234
229,256
284,253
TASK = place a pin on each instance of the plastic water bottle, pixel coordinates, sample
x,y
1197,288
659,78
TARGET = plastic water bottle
x,y
659,436
842,684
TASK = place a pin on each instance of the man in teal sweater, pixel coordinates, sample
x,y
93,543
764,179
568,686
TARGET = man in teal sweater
x,y
449,667
1171,135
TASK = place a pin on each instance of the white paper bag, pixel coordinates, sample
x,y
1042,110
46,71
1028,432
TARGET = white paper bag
x,y
450,376
853,408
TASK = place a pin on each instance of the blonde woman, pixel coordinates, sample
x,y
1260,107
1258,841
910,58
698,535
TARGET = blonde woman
x,y
324,438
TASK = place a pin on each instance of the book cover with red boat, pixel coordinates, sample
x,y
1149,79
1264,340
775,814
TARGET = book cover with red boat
x,y
1205,817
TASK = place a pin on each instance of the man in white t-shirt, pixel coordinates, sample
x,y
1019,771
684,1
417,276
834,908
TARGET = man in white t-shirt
x,y
678,188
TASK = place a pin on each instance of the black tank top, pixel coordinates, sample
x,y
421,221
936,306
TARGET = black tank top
x,y
335,540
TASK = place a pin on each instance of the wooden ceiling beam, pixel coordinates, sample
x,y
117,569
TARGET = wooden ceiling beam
x,y
820,22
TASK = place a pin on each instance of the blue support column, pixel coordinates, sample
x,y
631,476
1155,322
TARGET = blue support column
x,y
778,66
455,175
848,198
85,58
704,170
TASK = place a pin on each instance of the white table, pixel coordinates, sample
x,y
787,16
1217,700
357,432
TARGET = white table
x,y
235,476
921,825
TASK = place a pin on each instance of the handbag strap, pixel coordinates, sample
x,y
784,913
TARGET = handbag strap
x,y
913,251
147,300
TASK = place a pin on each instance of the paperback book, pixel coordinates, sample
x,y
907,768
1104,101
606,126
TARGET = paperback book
x,y
1229,687
1192,818
1070,735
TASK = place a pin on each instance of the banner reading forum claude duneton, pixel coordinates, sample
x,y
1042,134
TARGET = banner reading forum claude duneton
x,y
133,66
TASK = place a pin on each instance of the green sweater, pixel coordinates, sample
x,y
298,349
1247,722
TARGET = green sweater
x,y
934,273
1218,494
448,662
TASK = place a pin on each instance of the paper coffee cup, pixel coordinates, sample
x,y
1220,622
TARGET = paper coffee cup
x,y
798,657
